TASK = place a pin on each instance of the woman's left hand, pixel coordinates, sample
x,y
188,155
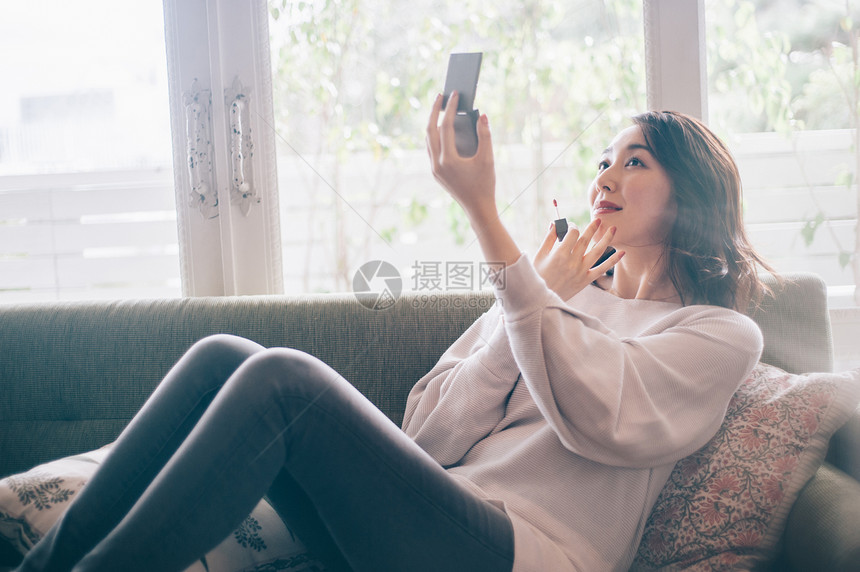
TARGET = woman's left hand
x,y
470,180
567,269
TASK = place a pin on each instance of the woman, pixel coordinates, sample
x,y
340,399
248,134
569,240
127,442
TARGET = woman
x,y
540,440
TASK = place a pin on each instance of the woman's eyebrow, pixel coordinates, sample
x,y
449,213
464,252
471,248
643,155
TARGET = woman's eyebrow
x,y
631,147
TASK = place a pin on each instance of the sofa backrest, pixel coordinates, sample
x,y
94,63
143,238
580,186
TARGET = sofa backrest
x,y
73,373
796,325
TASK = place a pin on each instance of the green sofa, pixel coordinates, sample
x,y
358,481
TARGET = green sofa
x,y
73,373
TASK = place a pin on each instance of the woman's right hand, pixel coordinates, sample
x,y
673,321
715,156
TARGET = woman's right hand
x,y
567,269
470,180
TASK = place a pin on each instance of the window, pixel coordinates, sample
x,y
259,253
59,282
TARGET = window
x,y
86,183
782,96
332,98
353,81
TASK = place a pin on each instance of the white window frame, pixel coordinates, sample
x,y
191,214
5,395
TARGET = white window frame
x,y
676,73
218,52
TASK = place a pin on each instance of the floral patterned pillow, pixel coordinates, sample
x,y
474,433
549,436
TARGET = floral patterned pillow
x,y
31,502
725,506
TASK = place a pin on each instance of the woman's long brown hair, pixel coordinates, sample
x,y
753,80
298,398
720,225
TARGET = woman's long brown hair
x,y
709,257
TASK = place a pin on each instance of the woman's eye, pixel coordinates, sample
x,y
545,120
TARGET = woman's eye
x,y
634,162
603,165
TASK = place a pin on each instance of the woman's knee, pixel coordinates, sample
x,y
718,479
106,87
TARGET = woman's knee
x,y
223,350
210,362
287,372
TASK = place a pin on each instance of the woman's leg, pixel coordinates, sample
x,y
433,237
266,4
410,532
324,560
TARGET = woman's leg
x,y
384,503
140,451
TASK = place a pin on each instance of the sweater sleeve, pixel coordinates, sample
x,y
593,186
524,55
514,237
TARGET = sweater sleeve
x,y
637,401
464,396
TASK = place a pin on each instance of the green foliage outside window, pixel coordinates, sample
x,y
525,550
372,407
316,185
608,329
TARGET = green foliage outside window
x,y
359,76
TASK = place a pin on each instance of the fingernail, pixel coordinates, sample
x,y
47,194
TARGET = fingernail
x,y
485,120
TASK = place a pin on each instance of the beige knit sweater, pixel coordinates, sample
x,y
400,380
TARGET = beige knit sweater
x,y
571,415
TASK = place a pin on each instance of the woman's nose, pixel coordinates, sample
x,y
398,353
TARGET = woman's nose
x,y
605,181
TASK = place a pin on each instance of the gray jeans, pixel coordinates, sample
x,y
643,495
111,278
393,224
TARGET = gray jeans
x,y
232,422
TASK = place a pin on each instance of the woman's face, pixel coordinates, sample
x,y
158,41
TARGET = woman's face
x,y
632,192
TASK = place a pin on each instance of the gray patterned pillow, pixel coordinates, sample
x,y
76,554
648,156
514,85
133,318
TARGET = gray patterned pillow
x,y
31,502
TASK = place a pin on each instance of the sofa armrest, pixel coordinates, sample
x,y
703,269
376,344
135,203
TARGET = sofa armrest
x,y
823,528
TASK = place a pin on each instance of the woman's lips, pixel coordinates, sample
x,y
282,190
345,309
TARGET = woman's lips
x,y
605,207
